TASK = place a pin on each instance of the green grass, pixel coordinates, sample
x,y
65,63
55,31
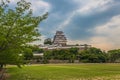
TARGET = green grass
x,y
66,72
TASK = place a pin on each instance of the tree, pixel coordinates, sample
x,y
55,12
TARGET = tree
x,y
92,55
47,56
28,54
17,28
48,41
114,55
73,52
36,49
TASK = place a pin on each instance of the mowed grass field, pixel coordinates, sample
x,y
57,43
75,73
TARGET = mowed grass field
x,y
65,72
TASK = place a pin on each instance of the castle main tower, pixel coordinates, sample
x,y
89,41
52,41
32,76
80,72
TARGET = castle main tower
x,y
59,39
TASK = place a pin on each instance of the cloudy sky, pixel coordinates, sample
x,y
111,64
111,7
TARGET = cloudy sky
x,y
95,22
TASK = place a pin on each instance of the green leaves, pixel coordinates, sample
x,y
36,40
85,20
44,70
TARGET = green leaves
x,y
92,55
114,55
17,28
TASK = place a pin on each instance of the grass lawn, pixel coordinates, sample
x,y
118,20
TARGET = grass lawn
x,y
65,72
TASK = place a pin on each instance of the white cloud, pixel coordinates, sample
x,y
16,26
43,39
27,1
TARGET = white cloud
x,y
113,26
39,6
92,6
107,35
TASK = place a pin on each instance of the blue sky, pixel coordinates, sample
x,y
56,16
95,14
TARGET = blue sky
x,y
95,22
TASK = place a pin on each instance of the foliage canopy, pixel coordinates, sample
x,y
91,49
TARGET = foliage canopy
x,y
17,28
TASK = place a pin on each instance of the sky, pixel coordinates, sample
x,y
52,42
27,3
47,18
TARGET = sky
x,y
94,22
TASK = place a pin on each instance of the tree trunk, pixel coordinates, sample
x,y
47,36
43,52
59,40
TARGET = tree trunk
x,y
1,67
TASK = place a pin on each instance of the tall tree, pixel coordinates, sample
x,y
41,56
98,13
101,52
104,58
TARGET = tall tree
x,y
17,28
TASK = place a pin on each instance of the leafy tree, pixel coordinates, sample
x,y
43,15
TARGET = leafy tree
x,y
47,56
94,50
114,55
48,41
73,52
17,28
61,54
40,50
92,55
28,54
36,49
